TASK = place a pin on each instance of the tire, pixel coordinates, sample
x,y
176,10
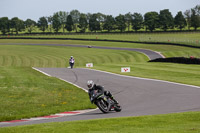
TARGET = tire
x,y
102,106
117,108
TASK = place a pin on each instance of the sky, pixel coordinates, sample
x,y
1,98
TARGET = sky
x,y
34,9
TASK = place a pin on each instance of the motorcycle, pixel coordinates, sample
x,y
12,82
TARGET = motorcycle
x,y
104,103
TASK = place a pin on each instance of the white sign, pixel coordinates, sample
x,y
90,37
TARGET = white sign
x,y
89,65
125,69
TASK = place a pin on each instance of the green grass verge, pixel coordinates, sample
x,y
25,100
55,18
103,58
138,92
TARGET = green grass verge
x,y
168,51
26,93
188,38
170,123
107,60
52,56
181,73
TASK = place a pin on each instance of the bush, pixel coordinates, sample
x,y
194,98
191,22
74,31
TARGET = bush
x,y
182,60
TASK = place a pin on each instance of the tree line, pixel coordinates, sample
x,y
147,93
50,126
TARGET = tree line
x,y
98,22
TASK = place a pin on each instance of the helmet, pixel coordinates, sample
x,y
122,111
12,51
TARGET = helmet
x,y
90,84
71,56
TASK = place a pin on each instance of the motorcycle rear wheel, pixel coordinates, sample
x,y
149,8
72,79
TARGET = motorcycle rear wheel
x,y
117,108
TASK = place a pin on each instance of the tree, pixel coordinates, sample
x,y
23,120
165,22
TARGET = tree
x,y
83,24
50,21
42,23
101,18
195,19
69,23
4,25
187,14
137,21
17,24
30,25
56,22
94,24
180,21
197,9
75,17
151,20
62,16
166,20
109,23
88,16
120,23
128,18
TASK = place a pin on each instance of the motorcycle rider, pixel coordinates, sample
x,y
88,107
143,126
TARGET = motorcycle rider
x,y
71,62
92,86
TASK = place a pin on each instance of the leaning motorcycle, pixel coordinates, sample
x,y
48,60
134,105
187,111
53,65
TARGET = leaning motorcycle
x,y
104,103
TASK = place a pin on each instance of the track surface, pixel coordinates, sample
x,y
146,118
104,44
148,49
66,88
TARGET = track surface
x,y
137,96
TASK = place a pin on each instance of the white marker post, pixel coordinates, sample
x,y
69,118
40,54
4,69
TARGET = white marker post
x,y
89,65
125,69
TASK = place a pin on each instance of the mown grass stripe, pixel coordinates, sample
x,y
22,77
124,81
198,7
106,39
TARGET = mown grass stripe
x,y
1,60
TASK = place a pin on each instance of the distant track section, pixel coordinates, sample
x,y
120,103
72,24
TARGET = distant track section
x,y
149,53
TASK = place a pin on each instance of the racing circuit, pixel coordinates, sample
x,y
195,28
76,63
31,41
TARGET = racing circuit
x,y
137,96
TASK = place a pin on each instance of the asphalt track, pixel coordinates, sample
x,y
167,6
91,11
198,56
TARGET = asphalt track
x,y
137,96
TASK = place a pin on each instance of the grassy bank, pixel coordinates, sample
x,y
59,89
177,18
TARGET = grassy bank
x,y
47,56
26,93
168,51
181,73
170,123
107,60
188,38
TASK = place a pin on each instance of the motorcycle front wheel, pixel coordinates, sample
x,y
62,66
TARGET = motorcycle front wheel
x,y
102,105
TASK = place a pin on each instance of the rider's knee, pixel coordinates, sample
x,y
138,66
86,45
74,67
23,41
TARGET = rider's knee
x,y
107,93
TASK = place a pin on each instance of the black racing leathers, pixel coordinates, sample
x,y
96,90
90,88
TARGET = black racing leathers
x,y
100,89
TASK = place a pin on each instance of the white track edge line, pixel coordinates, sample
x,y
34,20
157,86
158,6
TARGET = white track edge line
x,y
144,78
60,79
73,84
41,71
67,82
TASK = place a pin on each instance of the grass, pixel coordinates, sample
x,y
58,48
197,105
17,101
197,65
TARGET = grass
x,y
181,73
168,51
42,56
188,38
20,85
169,123
26,93
107,60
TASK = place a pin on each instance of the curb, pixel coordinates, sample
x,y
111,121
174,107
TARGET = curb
x,y
58,115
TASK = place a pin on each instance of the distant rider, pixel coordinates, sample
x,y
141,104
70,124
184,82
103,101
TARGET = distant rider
x,y
92,86
71,62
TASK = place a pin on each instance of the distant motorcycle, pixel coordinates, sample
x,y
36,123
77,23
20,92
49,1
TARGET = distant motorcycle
x,y
104,103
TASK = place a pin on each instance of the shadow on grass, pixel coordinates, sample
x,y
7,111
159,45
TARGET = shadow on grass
x,y
181,60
